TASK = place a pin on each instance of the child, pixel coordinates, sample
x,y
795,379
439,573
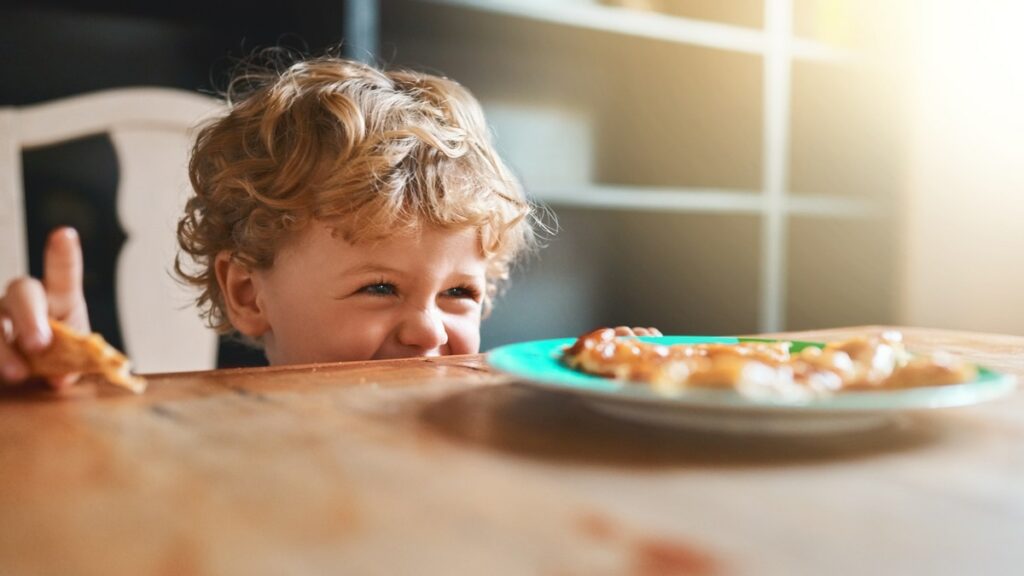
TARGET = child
x,y
340,213
345,213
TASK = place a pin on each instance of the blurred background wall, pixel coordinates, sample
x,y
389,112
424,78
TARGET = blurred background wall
x,y
714,167
963,259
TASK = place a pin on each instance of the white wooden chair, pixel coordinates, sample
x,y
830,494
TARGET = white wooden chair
x,y
151,132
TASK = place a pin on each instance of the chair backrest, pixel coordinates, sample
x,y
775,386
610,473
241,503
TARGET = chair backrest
x,y
151,132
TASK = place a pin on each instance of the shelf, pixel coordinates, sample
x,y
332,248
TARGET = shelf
x,y
830,207
650,198
583,14
700,200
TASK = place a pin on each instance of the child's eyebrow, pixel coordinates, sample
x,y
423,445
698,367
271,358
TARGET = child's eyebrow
x,y
371,267
374,268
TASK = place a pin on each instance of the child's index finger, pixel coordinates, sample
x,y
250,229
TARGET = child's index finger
x,y
62,264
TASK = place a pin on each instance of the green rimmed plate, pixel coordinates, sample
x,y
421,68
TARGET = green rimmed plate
x,y
537,363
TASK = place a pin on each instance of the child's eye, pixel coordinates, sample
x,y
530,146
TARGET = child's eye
x,y
466,292
379,289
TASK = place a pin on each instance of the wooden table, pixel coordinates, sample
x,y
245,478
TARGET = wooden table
x,y
443,467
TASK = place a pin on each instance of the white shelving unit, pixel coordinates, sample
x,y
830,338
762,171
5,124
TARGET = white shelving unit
x,y
772,203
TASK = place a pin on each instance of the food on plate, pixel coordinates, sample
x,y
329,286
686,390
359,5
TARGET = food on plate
x,y
768,368
73,352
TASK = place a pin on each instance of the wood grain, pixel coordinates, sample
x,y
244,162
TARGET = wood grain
x,y
438,466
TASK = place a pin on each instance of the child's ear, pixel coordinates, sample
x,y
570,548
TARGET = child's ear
x,y
241,296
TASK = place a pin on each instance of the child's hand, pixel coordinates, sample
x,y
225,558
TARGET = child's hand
x,y
636,331
27,303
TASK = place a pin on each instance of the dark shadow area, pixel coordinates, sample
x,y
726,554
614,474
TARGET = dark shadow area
x,y
75,184
558,427
233,353
57,48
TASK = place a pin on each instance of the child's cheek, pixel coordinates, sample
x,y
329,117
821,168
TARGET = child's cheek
x,y
464,336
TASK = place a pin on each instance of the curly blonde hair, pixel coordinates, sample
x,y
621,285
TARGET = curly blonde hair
x,y
373,153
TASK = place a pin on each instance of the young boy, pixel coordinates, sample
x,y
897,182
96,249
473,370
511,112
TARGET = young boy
x,y
340,213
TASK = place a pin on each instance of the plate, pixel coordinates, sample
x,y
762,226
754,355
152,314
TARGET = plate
x,y
537,363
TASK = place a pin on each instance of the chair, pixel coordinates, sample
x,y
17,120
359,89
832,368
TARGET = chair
x,y
150,131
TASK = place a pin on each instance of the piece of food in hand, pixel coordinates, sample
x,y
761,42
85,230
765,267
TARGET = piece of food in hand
x,y
72,352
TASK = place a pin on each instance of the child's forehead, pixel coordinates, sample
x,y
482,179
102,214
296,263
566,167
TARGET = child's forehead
x,y
409,234
325,244
426,251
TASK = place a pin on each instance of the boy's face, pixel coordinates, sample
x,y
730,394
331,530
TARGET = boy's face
x,y
326,300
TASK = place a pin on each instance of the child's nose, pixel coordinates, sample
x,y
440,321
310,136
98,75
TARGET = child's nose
x,y
423,328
